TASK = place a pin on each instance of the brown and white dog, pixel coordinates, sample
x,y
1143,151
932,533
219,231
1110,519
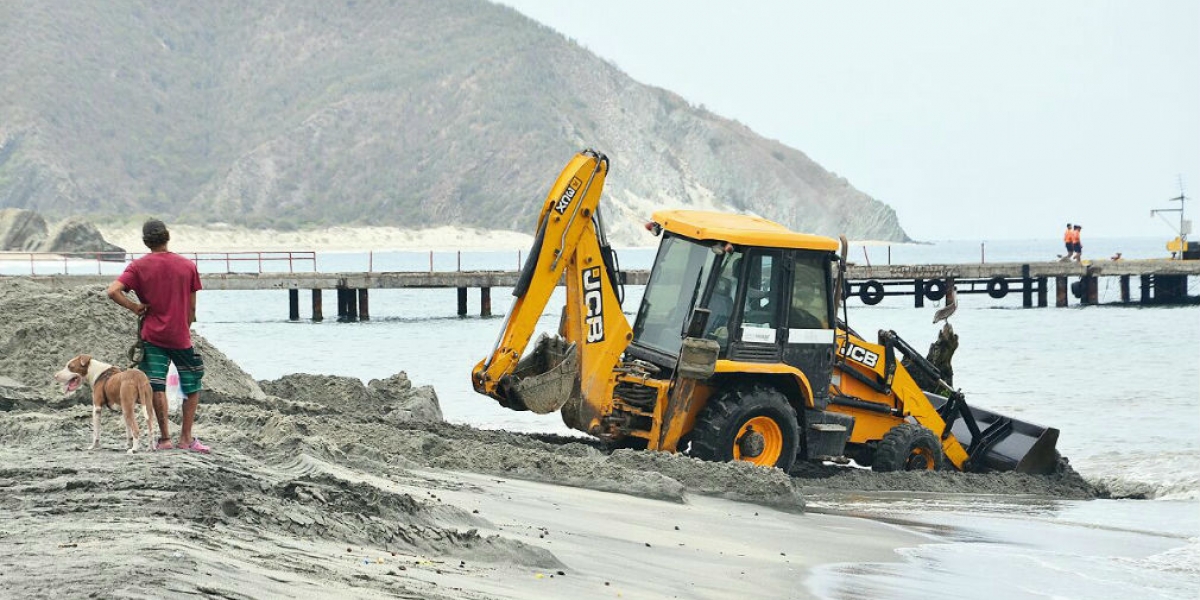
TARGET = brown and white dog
x,y
112,386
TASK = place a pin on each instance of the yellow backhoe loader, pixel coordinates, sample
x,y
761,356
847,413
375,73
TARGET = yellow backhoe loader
x,y
736,352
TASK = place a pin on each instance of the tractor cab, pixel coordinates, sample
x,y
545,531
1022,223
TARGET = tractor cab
x,y
768,292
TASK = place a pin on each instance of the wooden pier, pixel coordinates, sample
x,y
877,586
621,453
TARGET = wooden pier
x,y
1158,282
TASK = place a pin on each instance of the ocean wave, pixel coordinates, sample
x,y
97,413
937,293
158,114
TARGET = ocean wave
x,y
1122,487
1171,475
1183,560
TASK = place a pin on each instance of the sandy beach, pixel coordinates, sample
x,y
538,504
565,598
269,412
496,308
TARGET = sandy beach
x,y
323,487
222,237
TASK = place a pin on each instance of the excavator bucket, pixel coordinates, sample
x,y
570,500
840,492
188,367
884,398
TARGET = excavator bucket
x,y
998,443
544,379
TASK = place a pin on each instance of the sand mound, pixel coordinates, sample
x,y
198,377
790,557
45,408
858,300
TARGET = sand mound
x,y
393,399
307,464
44,327
388,422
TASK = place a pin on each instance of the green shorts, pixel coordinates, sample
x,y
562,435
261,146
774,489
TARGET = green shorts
x,y
156,361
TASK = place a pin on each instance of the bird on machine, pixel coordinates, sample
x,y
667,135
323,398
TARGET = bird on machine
x,y
943,313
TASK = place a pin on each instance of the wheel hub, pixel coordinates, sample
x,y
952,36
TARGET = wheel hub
x,y
751,444
919,460
759,441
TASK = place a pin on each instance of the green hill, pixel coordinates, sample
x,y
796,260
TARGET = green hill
x,y
407,113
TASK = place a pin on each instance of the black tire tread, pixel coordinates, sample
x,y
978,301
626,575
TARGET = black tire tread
x,y
891,454
726,410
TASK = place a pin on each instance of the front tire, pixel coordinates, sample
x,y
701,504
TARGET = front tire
x,y
908,447
754,424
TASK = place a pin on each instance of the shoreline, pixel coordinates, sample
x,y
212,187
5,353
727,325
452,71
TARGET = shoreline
x,y
224,237
229,238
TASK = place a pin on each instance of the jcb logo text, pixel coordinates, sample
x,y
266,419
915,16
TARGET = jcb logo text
x,y
860,354
593,301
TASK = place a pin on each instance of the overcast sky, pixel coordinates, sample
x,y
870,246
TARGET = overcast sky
x,y
973,120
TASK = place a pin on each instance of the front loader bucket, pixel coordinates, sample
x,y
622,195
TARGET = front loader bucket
x,y
1004,443
544,379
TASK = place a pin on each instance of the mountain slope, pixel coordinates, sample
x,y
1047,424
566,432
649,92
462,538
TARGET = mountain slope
x,y
405,113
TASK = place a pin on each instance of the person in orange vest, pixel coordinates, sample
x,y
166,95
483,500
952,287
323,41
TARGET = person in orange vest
x,y
1078,244
1068,240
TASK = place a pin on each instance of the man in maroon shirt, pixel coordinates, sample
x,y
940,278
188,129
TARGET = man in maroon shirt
x,y
166,285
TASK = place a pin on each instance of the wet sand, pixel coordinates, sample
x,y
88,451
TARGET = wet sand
x,y
324,487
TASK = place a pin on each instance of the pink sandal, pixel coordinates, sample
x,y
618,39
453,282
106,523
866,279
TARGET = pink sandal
x,y
196,446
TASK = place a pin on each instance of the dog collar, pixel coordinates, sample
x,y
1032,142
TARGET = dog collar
x,y
105,375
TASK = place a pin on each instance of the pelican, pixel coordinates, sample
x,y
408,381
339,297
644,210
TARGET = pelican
x,y
944,312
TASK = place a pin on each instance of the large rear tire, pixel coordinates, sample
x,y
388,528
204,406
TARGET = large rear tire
x,y
908,447
753,424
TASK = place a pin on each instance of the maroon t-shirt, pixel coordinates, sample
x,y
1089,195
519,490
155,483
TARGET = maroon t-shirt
x,y
165,281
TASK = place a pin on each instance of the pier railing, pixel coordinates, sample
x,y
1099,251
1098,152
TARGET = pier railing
x,y
258,261
100,263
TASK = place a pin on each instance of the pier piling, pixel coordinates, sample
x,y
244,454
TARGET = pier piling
x,y
364,313
1026,288
293,304
1060,291
485,301
351,305
1170,289
462,301
347,304
1091,289
316,306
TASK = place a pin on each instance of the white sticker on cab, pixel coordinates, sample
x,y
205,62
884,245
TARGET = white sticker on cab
x,y
758,335
810,336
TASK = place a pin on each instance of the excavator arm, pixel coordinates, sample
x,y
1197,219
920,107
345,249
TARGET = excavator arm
x,y
570,246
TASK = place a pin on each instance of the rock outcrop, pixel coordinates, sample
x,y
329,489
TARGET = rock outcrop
x,y
77,235
21,230
26,231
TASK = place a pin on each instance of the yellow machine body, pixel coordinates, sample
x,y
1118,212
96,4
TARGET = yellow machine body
x,y
736,353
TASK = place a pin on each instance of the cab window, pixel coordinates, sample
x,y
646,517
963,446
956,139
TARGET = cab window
x,y
810,293
760,306
680,268
723,299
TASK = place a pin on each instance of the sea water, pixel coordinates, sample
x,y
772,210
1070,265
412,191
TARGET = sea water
x,y
1122,383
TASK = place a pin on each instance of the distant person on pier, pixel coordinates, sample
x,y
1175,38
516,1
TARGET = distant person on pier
x,y
166,285
1069,241
1078,244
